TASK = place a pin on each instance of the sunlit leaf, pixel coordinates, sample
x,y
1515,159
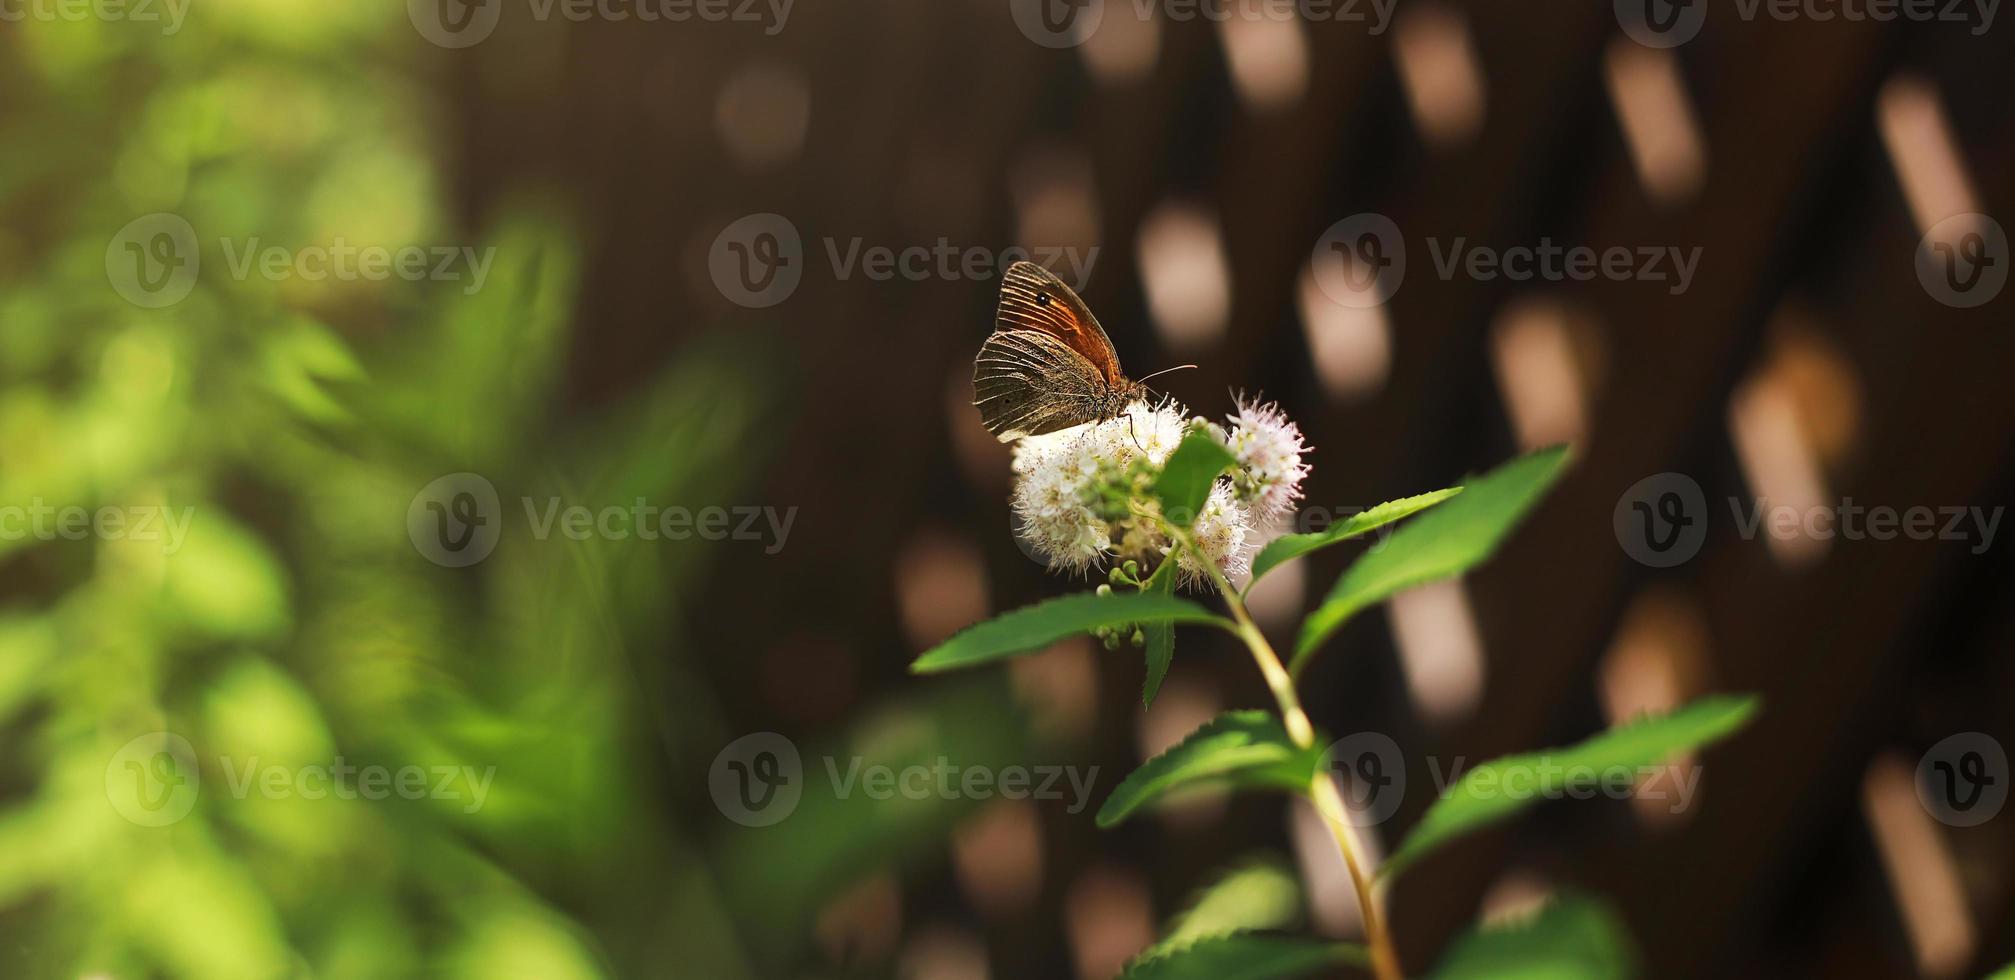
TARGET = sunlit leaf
x,y
1186,478
220,578
1571,938
1446,542
1288,547
1500,788
513,940
1034,627
1244,956
203,915
1245,748
1260,895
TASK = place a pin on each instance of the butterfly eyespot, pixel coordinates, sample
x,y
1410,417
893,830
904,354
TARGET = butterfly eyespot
x,y
1042,299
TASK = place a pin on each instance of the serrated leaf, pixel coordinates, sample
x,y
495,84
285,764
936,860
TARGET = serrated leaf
x,y
1034,627
1244,956
1160,634
1447,542
1246,748
1259,895
1571,938
1498,789
1288,547
1185,481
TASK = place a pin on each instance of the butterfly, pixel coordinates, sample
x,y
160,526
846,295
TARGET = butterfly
x,y
1048,365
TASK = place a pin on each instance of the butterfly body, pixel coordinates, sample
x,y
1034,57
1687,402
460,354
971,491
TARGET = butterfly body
x,y
1048,365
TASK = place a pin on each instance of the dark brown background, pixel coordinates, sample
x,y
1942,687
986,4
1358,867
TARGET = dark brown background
x,y
919,115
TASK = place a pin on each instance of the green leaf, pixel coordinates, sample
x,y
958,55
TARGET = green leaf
x,y
1448,542
1160,634
1247,748
1572,938
1500,788
1038,626
2005,973
1185,480
1288,547
1261,894
1244,956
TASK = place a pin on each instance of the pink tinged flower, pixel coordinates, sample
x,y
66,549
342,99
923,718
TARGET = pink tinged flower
x,y
1269,448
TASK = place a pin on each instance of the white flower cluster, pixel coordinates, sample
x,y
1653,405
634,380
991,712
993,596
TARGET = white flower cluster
x,y
1064,482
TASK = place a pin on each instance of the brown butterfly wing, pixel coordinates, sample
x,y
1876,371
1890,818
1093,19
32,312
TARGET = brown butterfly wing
x,y
1027,382
1033,298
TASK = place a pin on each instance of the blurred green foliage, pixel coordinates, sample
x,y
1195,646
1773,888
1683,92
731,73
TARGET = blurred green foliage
x,y
296,624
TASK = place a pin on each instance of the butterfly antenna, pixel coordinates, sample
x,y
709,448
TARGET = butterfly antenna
x,y
1163,371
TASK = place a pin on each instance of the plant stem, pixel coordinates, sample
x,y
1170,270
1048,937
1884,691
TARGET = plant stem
x,y
1321,789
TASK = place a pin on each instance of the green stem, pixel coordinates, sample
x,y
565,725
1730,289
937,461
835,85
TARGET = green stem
x,y
1321,790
